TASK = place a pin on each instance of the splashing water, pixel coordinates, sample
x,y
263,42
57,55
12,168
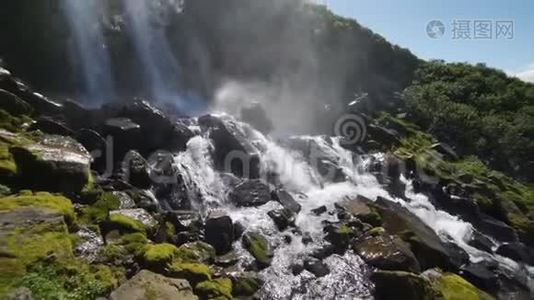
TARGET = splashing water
x,y
349,275
83,17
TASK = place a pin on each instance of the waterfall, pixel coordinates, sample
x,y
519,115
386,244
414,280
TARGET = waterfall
x,y
146,27
349,275
90,48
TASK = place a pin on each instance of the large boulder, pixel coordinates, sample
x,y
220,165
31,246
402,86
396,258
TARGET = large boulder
x,y
149,285
135,170
51,126
517,251
219,232
286,200
402,285
387,252
157,130
427,246
13,104
258,246
39,103
54,163
233,151
251,192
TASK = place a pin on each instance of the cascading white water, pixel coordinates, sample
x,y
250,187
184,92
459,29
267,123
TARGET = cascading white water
x,y
84,19
145,21
348,277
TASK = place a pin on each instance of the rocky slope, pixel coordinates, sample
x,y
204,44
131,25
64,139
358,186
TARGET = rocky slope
x,y
127,202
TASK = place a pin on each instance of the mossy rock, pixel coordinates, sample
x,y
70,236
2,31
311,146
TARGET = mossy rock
x,y
53,163
196,252
220,288
44,200
258,246
454,287
73,279
98,212
34,234
158,256
245,286
402,285
12,123
193,272
124,224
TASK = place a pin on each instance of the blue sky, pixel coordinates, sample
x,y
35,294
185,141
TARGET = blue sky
x,y
404,22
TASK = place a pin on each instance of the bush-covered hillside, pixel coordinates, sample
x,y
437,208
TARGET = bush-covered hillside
x,y
479,110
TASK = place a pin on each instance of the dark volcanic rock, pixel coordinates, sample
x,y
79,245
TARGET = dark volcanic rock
x,y
286,200
481,242
387,252
55,163
96,145
283,218
13,104
51,126
518,252
219,232
319,210
392,285
251,192
428,248
259,247
135,170
316,267
233,152
496,229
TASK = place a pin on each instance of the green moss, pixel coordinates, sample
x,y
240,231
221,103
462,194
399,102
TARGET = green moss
x,y
40,199
245,286
376,231
4,190
69,280
220,288
125,224
259,247
193,272
12,123
8,167
414,144
25,245
159,254
196,251
373,218
99,211
454,287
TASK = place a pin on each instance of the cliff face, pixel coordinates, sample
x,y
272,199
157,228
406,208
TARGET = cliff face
x,y
286,44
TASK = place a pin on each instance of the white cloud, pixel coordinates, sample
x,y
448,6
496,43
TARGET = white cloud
x,y
527,74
